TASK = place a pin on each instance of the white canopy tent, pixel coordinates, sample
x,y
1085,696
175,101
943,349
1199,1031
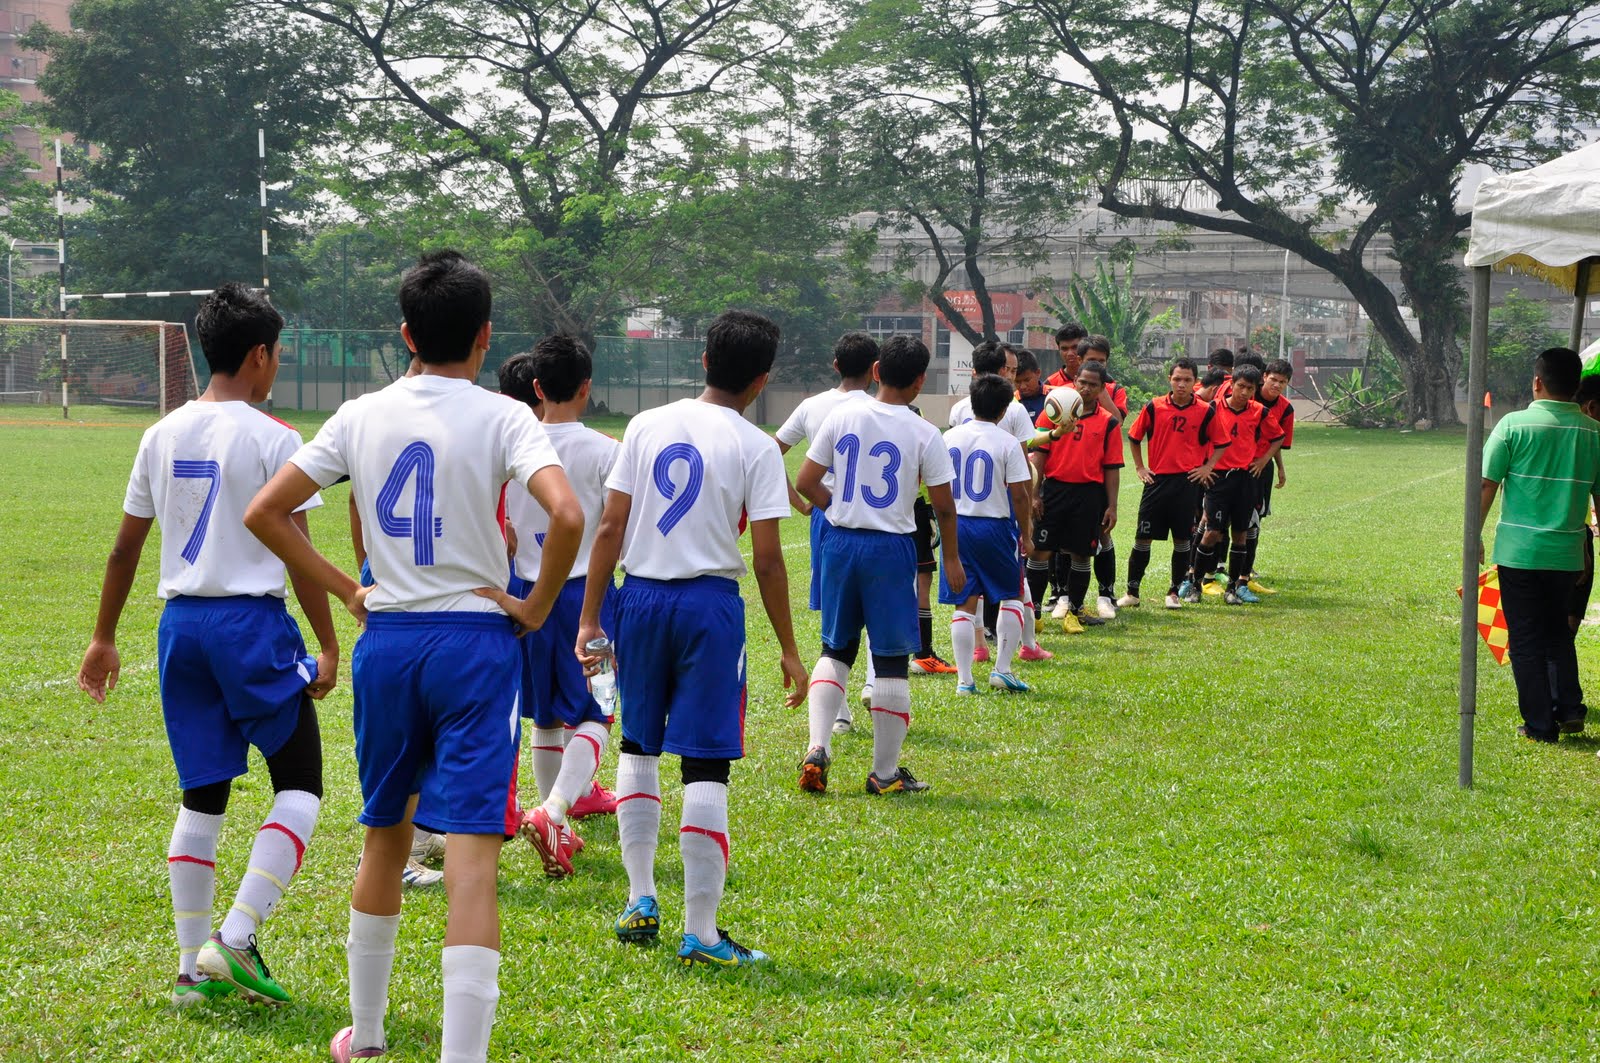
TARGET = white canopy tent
x,y
1544,222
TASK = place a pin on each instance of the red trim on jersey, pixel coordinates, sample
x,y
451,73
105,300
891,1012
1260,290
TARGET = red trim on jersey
x,y
1282,411
1083,455
299,846
280,420
500,510
715,835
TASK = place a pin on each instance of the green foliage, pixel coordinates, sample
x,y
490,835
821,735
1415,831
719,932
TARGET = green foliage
x,y
1264,341
1519,328
25,204
1373,397
173,182
1107,306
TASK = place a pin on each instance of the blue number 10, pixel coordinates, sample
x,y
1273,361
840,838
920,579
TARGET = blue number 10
x,y
422,527
199,470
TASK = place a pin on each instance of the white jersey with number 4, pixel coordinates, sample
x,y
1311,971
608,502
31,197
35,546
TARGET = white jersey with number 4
x,y
426,458
1015,421
987,462
879,453
807,419
588,457
695,472
196,471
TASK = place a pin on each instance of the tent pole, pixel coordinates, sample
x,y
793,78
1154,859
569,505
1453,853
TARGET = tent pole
x,y
1580,298
1471,529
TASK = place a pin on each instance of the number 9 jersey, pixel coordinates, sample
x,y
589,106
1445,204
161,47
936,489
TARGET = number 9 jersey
x,y
879,452
695,472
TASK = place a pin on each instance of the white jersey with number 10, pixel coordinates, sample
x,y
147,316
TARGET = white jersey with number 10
x,y
987,462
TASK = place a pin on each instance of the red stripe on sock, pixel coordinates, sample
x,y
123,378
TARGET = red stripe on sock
x,y
299,846
212,864
1014,612
828,683
549,749
715,835
906,716
590,739
630,797
961,619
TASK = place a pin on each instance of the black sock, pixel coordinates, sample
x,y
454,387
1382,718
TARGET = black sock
x,y
1205,559
1105,571
1180,567
1038,580
925,631
1236,564
991,617
1138,561
1078,583
1250,547
1063,571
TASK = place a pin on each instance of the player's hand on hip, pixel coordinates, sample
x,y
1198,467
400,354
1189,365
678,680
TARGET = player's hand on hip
x,y
796,680
356,604
520,610
327,676
98,673
1146,476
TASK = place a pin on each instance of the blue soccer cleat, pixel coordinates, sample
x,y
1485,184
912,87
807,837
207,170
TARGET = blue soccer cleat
x,y
1007,681
640,922
725,953
1188,592
966,688
1245,594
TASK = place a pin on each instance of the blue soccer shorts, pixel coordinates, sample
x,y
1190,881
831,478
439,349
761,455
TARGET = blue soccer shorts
x,y
869,579
819,528
438,713
991,558
555,692
233,673
680,666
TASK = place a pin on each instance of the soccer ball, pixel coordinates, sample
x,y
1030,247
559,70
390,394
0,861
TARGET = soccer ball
x,y
1062,406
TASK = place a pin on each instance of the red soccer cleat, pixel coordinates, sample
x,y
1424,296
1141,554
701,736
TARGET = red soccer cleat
x,y
597,802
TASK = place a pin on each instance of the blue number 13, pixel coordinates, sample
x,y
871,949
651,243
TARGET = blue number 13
x,y
422,527
849,448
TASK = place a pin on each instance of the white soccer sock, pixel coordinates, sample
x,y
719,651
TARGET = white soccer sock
x,y
549,743
891,719
1008,632
1030,634
639,821
370,952
471,990
192,876
280,846
866,652
963,640
578,765
703,841
825,698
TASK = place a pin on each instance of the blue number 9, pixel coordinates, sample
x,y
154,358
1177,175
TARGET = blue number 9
x,y
682,501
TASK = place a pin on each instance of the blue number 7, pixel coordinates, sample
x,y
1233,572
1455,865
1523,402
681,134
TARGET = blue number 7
x,y
199,470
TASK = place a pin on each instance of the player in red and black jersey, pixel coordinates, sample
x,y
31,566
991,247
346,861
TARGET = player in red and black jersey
x,y
1274,382
1230,501
1186,440
1067,337
1114,399
1077,500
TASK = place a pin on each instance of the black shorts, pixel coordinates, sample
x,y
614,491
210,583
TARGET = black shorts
x,y
924,536
1072,517
1578,601
1168,507
1264,490
1231,501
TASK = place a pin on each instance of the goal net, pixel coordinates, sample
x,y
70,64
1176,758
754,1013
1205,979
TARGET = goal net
x,y
143,364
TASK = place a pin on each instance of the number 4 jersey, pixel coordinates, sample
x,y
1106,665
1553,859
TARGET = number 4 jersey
x,y
197,470
696,472
879,452
426,457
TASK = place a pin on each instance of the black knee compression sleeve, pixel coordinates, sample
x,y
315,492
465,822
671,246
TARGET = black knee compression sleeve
x,y
892,667
845,655
705,769
298,764
634,749
209,800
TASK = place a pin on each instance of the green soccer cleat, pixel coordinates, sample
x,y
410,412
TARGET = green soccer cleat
x,y
190,992
243,968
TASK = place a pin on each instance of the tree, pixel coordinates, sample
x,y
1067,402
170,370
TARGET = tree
x,y
552,135
24,202
1111,308
173,186
1265,105
938,127
1519,328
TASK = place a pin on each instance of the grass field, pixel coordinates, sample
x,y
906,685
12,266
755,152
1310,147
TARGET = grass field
x,y
1225,833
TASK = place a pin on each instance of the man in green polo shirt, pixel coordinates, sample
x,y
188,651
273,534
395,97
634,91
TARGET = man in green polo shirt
x,y
1548,458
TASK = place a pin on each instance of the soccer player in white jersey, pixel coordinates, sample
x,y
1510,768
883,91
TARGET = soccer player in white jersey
x,y
993,515
1001,360
437,673
854,355
233,669
880,452
690,476
570,728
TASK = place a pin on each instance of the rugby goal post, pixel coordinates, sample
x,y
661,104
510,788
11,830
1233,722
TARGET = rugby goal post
x,y
137,364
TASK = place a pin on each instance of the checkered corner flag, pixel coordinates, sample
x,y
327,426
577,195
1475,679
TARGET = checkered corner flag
x,y
1491,617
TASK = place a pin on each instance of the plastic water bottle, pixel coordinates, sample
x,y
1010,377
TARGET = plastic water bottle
x,y
603,684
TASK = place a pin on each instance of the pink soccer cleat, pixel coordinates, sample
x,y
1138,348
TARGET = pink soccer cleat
x,y
1035,653
597,802
981,654
545,837
339,1048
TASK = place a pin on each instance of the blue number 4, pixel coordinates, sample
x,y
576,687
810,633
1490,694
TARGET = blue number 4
x,y
199,470
422,527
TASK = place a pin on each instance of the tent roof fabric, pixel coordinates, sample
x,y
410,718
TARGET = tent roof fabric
x,y
1542,221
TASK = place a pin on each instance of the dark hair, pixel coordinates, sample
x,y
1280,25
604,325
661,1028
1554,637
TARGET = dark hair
x,y
1560,369
445,300
1027,361
1070,331
1222,357
233,321
901,360
854,352
1094,367
1094,343
1247,374
988,357
1185,363
1279,367
740,346
516,379
990,396
1256,360
561,364
1588,390
1213,377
